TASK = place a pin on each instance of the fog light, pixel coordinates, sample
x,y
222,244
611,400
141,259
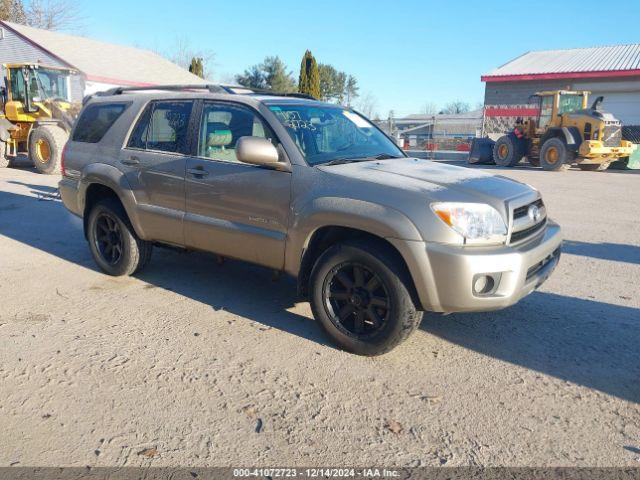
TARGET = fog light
x,y
484,284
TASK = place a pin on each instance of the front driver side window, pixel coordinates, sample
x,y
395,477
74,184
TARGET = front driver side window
x,y
221,127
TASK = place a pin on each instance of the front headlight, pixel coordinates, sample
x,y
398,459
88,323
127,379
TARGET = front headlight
x,y
478,223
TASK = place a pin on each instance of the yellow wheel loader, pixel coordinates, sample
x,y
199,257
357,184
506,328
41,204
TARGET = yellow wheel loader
x,y
565,132
37,114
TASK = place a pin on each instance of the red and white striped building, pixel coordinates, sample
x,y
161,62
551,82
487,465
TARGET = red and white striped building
x,y
611,71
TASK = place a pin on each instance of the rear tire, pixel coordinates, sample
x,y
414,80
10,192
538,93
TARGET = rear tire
x,y
113,243
366,313
45,148
508,150
555,155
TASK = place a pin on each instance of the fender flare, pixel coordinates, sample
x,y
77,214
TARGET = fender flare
x,y
376,219
571,135
112,178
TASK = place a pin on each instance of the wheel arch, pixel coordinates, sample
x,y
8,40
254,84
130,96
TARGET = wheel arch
x,y
101,180
570,135
326,236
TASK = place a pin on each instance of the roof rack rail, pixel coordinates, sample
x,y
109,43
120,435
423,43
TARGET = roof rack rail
x,y
120,90
212,88
241,89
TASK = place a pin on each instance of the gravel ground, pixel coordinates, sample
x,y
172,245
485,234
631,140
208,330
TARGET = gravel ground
x,y
195,363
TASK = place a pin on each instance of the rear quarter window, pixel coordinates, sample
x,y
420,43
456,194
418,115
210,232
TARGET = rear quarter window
x,y
96,120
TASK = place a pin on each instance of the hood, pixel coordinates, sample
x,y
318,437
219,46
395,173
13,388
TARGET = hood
x,y
433,178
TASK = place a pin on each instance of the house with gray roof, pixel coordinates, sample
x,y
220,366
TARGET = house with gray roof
x,y
102,65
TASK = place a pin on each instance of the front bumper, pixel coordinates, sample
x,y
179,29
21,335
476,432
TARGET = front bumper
x,y
594,151
444,274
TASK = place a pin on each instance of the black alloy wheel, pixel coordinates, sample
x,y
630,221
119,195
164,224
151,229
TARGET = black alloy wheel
x,y
356,300
109,239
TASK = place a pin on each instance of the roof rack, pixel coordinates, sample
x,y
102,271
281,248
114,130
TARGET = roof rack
x,y
120,90
240,89
213,88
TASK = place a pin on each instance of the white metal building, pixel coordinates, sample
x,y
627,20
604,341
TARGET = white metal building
x,y
611,71
102,65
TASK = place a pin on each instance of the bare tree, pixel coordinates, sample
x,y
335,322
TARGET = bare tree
x,y
457,106
430,108
54,14
183,52
367,104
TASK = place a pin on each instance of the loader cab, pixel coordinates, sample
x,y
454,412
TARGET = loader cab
x,y
28,86
553,104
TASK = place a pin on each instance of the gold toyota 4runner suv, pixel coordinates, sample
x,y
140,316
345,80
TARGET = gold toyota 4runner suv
x,y
308,188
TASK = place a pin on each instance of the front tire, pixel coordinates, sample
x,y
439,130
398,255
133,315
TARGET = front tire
x,y
508,150
113,243
45,148
555,155
361,298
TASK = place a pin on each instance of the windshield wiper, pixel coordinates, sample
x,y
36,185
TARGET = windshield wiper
x,y
380,156
341,161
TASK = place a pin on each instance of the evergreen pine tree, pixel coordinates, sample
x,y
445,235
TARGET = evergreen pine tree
x,y
197,67
309,81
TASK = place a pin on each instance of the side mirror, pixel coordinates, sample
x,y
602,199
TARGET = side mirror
x,y
259,151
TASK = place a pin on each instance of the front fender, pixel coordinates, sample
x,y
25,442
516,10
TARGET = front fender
x,y
111,177
376,219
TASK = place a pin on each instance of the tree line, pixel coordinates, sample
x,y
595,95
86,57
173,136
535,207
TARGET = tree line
x,y
320,80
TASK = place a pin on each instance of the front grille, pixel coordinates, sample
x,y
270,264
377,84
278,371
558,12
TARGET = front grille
x,y
527,232
522,211
612,135
543,263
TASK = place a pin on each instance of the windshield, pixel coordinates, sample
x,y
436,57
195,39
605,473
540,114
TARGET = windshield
x,y
329,134
569,103
52,84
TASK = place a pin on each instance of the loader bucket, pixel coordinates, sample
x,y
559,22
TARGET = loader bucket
x,y
481,151
632,162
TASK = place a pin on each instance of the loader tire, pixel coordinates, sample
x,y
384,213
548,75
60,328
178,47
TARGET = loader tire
x,y
4,161
555,155
45,148
508,150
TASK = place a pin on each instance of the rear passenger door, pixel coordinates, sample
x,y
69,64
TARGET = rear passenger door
x,y
233,208
154,161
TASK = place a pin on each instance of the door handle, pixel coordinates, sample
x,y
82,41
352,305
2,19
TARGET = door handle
x,y
132,160
197,171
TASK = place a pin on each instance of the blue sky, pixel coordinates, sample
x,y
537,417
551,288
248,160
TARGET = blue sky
x,y
404,53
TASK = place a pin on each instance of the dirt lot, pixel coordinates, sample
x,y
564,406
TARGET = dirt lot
x,y
192,363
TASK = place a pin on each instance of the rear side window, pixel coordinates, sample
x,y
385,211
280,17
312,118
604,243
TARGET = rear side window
x,y
96,120
163,127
